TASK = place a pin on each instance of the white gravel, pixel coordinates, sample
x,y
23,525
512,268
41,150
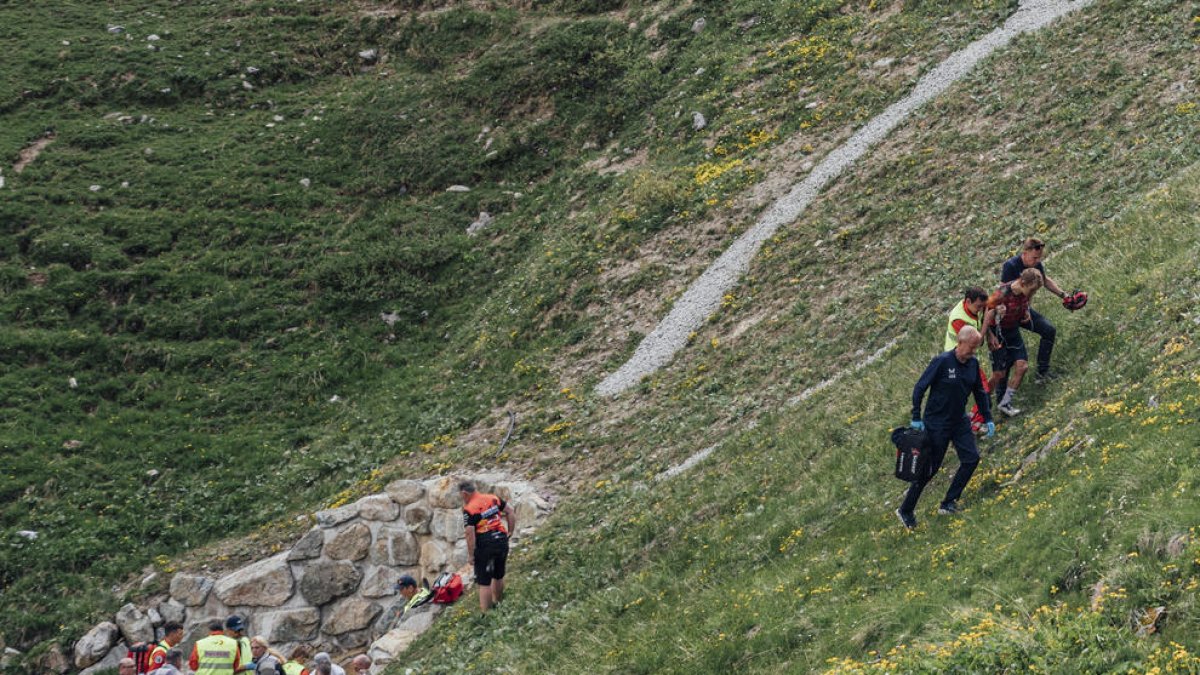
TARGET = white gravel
x,y
703,297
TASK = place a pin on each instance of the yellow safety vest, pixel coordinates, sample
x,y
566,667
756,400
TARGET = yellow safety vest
x,y
959,313
293,668
245,656
216,655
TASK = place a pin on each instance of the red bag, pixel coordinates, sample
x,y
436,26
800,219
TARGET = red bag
x,y
447,588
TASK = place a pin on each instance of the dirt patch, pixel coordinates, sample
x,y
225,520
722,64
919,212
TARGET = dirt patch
x,y
31,152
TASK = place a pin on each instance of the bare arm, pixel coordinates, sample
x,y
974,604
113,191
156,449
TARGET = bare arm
x,y
510,516
470,535
1052,286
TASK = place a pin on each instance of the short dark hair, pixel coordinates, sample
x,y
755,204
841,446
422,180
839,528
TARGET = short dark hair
x,y
171,626
216,624
405,581
975,293
1033,244
174,656
466,486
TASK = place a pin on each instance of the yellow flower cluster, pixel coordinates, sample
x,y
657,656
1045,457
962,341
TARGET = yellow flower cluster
x,y
708,172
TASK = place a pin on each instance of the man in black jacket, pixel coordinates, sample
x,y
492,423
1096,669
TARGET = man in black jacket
x,y
949,379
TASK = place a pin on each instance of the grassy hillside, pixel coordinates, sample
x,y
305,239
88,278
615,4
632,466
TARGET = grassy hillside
x,y
265,193
782,548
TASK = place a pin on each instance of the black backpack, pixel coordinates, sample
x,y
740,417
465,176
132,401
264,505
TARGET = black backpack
x,y
911,447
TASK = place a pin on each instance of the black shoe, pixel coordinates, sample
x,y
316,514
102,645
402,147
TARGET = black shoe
x,y
1047,376
949,509
909,520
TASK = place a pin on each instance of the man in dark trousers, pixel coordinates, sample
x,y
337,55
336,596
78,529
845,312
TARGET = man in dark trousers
x,y
949,379
1030,257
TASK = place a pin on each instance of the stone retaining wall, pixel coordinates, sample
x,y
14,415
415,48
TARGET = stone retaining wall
x,y
334,588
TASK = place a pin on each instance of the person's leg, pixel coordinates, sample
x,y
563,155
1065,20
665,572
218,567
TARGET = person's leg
x,y
1047,332
968,459
1018,373
483,576
1019,359
499,562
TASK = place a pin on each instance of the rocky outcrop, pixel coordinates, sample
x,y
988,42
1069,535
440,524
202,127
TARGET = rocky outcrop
x,y
135,624
93,646
110,660
335,588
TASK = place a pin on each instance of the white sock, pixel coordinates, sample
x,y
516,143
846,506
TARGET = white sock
x,y
1008,394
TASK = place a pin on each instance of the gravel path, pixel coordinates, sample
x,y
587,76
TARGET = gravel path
x,y
703,297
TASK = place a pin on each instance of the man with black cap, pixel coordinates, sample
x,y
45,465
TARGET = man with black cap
x,y
412,592
235,627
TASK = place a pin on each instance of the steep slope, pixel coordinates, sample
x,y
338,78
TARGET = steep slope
x,y
211,310
781,549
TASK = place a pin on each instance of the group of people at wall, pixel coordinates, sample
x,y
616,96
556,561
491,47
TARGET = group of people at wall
x,y
487,522
226,650
955,374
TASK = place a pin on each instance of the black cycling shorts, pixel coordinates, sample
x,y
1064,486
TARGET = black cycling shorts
x,y
491,555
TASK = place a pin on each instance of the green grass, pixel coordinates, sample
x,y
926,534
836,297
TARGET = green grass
x,y
210,310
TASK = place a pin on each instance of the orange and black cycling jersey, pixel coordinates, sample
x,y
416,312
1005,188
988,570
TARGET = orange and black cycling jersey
x,y
484,512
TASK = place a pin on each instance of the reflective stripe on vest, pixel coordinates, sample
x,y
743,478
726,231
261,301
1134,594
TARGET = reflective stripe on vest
x,y
216,655
959,313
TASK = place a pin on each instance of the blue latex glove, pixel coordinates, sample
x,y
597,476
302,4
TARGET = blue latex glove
x,y
918,425
991,427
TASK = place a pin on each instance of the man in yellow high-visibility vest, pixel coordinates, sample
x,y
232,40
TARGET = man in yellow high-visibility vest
x,y
216,654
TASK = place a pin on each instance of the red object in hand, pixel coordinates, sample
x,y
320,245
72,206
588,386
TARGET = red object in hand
x,y
1075,300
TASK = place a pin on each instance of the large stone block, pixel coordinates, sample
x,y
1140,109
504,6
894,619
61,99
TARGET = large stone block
x,y
393,644
94,645
405,491
417,516
110,661
289,625
447,524
354,640
350,614
134,624
172,610
395,546
334,517
380,582
190,589
309,545
528,509
378,507
351,543
443,493
325,580
459,557
435,556
53,660
266,583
